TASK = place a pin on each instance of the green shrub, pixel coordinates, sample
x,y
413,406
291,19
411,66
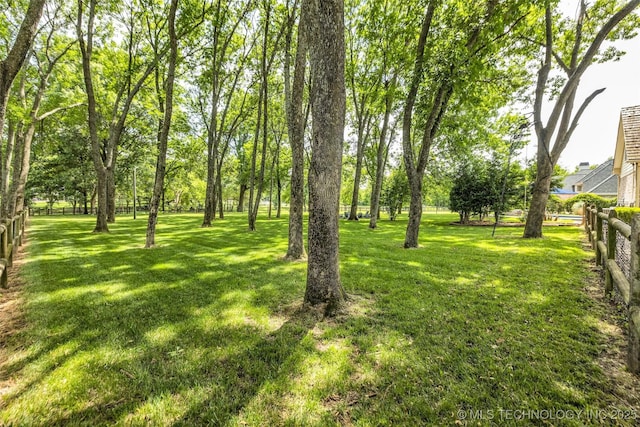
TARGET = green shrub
x,y
591,200
625,214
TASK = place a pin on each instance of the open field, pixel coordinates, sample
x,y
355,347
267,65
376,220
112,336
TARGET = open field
x,y
206,328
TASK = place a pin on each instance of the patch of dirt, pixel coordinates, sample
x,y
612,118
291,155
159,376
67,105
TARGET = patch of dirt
x,y
613,325
11,315
12,319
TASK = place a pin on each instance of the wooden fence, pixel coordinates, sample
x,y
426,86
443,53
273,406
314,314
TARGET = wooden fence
x,y
617,247
11,235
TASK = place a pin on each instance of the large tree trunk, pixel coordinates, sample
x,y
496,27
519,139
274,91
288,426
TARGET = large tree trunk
x,y
295,127
101,192
415,212
539,198
327,62
158,187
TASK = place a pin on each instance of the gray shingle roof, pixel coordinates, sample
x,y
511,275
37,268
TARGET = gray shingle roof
x,y
598,176
608,187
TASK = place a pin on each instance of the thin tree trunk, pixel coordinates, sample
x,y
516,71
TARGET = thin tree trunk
x,y
295,126
5,204
111,191
166,126
327,59
219,192
278,190
381,154
241,197
363,134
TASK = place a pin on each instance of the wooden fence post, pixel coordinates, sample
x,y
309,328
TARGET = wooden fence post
x,y
598,237
20,228
633,354
611,252
587,221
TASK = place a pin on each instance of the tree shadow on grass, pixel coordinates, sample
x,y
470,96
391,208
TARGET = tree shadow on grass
x,y
220,388
265,361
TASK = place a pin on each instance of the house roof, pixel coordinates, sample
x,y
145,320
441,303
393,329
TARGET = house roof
x,y
575,178
608,187
599,180
628,142
598,176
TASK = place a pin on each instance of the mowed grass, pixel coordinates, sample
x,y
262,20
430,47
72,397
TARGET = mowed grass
x,y
206,329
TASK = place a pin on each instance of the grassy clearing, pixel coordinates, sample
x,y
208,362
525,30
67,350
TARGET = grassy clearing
x,y
205,329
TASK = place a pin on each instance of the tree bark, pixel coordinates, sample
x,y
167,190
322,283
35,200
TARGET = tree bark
x,y
327,64
413,171
539,197
111,190
241,197
295,127
166,126
12,145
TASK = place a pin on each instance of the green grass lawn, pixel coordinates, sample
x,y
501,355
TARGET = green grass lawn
x,y
206,328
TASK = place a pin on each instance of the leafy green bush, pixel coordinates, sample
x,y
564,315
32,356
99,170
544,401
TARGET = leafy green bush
x,y
555,204
591,200
625,214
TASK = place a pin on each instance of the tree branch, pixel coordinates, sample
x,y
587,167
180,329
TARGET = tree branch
x,y
560,145
58,109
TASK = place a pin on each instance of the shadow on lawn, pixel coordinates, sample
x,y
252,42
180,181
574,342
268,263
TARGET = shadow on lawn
x,y
107,329
438,336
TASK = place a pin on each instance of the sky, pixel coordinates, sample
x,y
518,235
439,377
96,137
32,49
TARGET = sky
x,y
594,139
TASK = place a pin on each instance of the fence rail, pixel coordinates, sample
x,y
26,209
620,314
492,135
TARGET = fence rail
x,y
617,247
11,236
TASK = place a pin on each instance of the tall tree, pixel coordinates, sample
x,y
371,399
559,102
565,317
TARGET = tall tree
x,y
457,47
163,138
104,150
294,96
224,27
581,46
328,104
256,178
10,65
47,54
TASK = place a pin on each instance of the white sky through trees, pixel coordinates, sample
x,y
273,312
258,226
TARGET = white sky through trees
x,y
595,137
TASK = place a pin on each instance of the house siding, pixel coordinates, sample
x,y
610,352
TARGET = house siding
x,y
627,186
